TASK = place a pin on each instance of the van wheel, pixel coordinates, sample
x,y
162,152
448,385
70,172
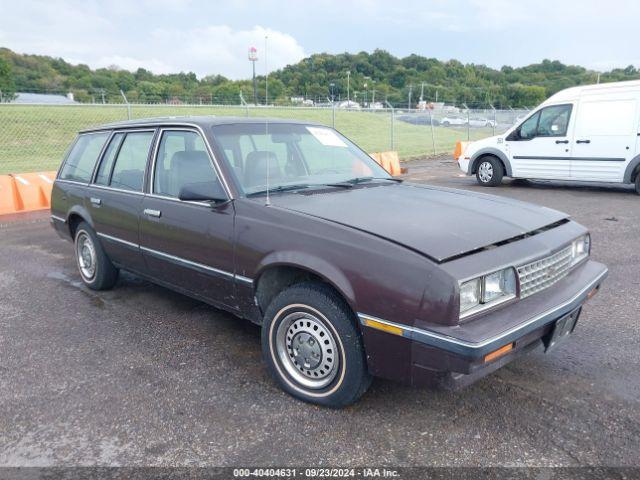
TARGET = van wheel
x,y
489,172
96,270
313,348
638,183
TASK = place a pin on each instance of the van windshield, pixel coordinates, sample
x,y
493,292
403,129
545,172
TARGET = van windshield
x,y
292,156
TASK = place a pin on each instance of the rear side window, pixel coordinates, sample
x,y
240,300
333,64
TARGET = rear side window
x,y
104,171
128,171
82,157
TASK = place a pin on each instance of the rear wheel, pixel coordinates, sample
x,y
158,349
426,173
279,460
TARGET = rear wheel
x,y
312,346
489,172
638,183
96,270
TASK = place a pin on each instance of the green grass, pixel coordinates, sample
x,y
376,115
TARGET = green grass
x,y
34,138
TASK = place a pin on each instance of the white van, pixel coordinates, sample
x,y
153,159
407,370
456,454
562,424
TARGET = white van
x,y
589,133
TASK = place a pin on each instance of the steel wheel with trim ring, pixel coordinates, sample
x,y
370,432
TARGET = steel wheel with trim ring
x,y
312,346
489,172
96,270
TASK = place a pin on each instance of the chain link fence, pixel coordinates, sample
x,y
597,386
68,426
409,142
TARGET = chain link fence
x,y
35,137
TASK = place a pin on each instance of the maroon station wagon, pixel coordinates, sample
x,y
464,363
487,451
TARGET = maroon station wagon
x,y
350,272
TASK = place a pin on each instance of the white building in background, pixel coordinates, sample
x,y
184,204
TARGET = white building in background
x,y
349,104
44,98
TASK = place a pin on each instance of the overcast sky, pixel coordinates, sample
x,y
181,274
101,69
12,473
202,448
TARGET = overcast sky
x,y
210,37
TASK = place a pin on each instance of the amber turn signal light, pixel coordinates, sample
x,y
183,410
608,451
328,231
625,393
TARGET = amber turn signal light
x,y
383,326
498,353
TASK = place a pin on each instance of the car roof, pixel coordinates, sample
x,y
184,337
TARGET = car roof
x,y
202,121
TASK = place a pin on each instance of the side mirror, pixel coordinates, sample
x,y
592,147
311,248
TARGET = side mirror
x,y
203,192
514,136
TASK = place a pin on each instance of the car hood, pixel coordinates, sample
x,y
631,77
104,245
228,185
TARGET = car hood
x,y
439,223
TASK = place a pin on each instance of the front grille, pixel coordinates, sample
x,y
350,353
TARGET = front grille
x,y
543,273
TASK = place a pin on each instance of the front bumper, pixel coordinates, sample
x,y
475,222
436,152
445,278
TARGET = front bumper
x,y
463,164
452,355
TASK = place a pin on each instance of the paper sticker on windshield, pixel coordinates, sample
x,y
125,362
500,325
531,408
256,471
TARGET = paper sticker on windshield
x,y
326,137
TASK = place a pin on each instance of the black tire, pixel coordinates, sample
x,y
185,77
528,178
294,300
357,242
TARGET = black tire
x,y
315,305
638,183
489,172
445,124
95,268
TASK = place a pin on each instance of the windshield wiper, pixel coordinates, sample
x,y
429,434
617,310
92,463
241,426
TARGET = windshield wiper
x,y
355,181
279,188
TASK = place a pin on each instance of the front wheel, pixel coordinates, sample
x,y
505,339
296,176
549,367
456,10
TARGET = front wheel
x,y
312,346
638,183
489,172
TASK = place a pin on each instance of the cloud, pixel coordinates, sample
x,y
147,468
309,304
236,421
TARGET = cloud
x,y
160,35
221,49
132,64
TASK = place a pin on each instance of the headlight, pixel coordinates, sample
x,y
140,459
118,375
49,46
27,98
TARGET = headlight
x,y
487,291
580,249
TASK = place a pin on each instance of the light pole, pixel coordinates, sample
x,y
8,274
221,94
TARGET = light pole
x,y
373,94
331,85
266,74
365,94
253,58
348,86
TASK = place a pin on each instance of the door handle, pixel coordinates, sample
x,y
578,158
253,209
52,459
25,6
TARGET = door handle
x,y
96,201
583,141
562,141
152,213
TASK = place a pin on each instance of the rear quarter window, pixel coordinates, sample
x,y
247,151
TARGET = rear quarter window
x,y
83,156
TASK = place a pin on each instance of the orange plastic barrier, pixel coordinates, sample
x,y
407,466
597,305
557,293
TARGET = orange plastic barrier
x,y
459,149
25,191
389,161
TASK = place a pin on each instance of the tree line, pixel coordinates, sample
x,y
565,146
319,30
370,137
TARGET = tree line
x,y
377,76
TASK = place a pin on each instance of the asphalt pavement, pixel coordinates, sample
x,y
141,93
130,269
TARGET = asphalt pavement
x,y
140,375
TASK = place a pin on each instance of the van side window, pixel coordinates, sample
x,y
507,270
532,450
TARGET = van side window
x,y
182,159
529,127
550,121
104,170
128,171
83,156
554,121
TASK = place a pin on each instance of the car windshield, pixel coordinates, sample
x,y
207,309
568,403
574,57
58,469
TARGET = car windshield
x,y
292,156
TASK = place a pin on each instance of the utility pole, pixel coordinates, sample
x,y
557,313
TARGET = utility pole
x,y
348,87
422,91
331,85
410,91
102,93
373,94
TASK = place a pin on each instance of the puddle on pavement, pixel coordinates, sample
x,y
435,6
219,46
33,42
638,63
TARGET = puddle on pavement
x,y
95,299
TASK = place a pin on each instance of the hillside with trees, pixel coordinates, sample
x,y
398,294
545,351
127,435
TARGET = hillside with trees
x,y
319,77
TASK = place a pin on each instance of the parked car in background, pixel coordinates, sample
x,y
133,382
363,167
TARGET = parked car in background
x,y
481,122
419,119
453,121
349,272
589,133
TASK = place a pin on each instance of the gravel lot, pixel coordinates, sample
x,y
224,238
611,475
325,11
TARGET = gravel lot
x,y
143,376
